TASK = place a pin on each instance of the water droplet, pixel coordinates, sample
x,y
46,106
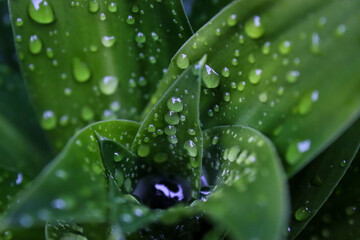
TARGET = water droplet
x,y
315,43
118,157
182,61
170,130
255,76
48,120
210,78
263,97
143,150
232,20
112,7
154,36
172,118
130,20
35,44
226,97
251,58
295,149
285,47
225,72
175,104
87,114
81,70
340,30
108,41
140,37
160,157
93,6
191,148
302,214
108,85
41,11
19,22
151,128
191,132
49,53
292,76
233,153
266,48
254,28
306,103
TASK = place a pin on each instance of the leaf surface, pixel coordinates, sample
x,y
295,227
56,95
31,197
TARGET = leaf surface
x,y
283,76
94,56
73,186
250,196
313,186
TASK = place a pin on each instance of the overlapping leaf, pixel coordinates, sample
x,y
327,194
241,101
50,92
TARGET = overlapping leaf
x,y
73,186
281,75
312,187
250,198
95,56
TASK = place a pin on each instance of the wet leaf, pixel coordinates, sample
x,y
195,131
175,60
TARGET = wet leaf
x,y
250,197
312,187
73,186
170,139
339,218
94,56
280,75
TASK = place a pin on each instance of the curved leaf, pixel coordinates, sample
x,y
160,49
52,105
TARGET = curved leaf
x,y
312,187
339,218
170,138
94,56
280,75
250,198
72,187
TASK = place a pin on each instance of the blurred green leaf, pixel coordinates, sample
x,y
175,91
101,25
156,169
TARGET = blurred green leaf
x,y
94,60
72,187
170,138
339,218
250,197
283,76
312,186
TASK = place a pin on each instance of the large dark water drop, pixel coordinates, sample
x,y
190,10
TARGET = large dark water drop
x,y
159,192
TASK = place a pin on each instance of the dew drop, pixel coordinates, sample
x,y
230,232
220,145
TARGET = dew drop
x,y
81,70
292,76
112,7
295,149
140,37
255,76
41,11
19,22
232,20
302,213
172,118
87,114
182,61
35,44
210,78
143,150
263,97
315,43
175,104
285,47
108,41
108,85
225,72
254,28
93,6
130,20
48,120
191,148
170,130
160,157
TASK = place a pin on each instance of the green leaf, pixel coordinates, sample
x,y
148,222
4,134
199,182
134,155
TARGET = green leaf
x,y
250,197
83,61
170,139
72,186
339,218
280,75
312,187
